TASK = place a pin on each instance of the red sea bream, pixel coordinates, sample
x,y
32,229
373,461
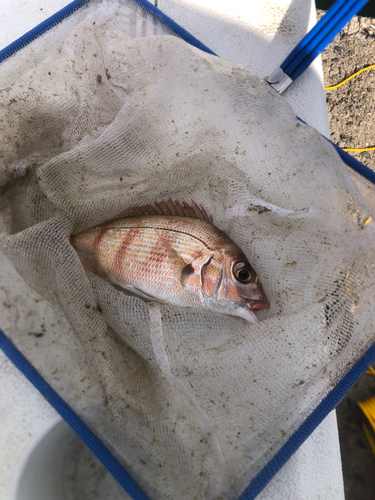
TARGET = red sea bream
x,y
172,253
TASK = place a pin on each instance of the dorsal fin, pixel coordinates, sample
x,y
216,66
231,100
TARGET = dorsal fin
x,y
169,207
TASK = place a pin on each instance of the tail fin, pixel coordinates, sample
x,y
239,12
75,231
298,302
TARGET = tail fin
x,y
81,243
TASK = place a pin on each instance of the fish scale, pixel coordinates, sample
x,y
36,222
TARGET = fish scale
x,y
179,260
146,255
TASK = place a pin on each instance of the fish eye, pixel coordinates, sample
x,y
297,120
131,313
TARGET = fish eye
x,y
243,272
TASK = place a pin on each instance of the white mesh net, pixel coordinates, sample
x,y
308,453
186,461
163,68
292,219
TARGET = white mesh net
x,y
121,114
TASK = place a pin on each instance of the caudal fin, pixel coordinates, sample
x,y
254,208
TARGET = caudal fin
x,y
85,252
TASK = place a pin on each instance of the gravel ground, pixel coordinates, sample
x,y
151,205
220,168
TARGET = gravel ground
x,y
351,108
351,119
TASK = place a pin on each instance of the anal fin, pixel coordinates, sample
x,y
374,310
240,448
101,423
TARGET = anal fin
x,y
135,291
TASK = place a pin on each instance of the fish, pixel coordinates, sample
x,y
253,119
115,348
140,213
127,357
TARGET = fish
x,y
172,253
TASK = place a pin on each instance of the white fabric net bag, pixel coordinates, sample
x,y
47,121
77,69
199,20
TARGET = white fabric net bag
x,y
120,114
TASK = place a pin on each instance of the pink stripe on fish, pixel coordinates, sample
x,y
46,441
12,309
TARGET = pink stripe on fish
x,y
124,247
98,238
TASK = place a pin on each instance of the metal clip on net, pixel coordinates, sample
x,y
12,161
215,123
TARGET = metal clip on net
x,y
314,43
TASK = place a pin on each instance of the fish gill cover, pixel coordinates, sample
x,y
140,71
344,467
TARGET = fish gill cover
x,y
119,114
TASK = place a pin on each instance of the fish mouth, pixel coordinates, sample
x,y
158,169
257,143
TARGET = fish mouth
x,y
257,305
253,294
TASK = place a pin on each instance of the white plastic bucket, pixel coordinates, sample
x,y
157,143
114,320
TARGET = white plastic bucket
x,y
57,465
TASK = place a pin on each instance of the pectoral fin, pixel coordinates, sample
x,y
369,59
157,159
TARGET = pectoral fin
x,y
187,272
174,257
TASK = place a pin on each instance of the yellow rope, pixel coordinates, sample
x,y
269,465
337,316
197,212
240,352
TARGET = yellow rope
x,y
359,149
367,221
339,85
370,439
368,409
370,371
350,77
